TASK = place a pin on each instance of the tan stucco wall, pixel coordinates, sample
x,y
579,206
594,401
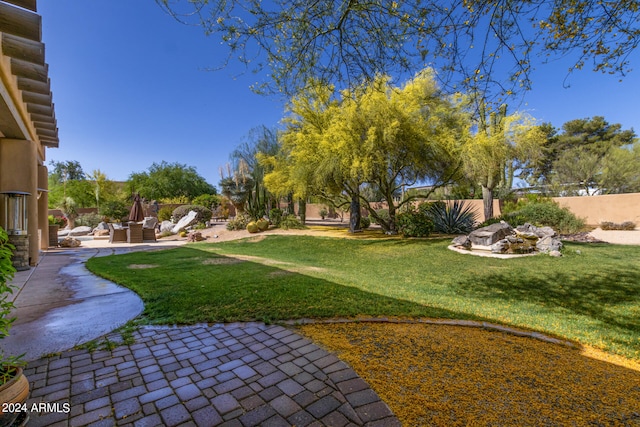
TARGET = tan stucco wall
x,y
19,172
593,209
611,207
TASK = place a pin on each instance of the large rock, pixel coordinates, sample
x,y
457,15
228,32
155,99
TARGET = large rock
x,y
462,242
487,236
69,242
528,229
82,230
166,226
184,222
549,244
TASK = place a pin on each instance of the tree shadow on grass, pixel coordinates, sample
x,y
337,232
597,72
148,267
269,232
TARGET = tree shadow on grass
x,y
610,296
192,285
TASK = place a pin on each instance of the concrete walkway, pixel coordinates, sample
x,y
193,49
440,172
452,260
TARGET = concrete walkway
x,y
242,374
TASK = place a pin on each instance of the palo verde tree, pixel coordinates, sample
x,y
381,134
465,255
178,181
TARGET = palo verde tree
x,y
500,144
347,42
376,135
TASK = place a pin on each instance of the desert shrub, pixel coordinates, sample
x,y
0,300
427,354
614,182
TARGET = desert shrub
x,y
164,214
239,222
365,222
627,225
414,223
540,211
275,216
456,218
252,227
203,214
382,213
290,221
89,219
323,212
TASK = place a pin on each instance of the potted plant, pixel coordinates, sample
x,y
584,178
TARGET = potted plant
x,y
55,223
14,386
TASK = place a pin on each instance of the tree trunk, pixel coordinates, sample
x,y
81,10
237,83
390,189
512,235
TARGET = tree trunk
x,y
354,217
487,198
302,210
291,207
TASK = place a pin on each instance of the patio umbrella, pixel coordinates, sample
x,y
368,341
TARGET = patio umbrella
x,y
136,214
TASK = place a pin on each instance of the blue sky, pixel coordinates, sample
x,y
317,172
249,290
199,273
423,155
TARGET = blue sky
x,y
130,88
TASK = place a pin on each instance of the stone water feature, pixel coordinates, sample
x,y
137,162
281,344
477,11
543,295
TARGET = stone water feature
x,y
501,238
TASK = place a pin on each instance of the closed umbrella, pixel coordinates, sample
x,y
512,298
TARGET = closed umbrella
x,y
136,214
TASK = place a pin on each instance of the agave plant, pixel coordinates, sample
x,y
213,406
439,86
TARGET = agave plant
x,y
455,218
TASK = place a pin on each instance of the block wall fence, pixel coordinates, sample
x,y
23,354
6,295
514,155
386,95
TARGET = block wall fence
x,y
593,209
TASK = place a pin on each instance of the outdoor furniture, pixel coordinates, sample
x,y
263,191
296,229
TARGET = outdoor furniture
x,y
149,228
134,233
117,234
149,234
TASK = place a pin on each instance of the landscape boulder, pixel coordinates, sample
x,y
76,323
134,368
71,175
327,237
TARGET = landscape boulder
x,y
184,222
487,236
69,242
462,242
82,230
166,226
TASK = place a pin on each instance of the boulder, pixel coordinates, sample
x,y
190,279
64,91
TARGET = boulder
x,y
184,222
97,233
102,226
166,226
195,236
555,253
548,244
513,245
462,242
487,236
69,242
82,230
528,229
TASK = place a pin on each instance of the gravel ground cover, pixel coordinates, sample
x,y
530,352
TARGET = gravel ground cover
x,y
457,376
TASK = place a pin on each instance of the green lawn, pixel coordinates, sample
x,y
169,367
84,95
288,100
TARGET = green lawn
x,y
591,294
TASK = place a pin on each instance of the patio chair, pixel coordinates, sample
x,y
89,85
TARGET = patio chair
x,y
134,233
149,228
117,234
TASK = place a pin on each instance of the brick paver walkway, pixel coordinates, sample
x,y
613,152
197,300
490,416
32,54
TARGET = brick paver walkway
x,y
243,374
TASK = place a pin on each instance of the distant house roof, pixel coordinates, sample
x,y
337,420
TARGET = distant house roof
x,y
26,102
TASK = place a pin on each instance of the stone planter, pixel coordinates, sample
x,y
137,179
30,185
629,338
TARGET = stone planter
x,y
53,235
15,392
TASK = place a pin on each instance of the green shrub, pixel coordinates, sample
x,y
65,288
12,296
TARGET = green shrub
x,y
7,363
540,211
203,214
275,216
210,201
290,221
627,225
89,219
252,227
114,209
414,223
323,212
239,222
164,214
456,218
365,222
